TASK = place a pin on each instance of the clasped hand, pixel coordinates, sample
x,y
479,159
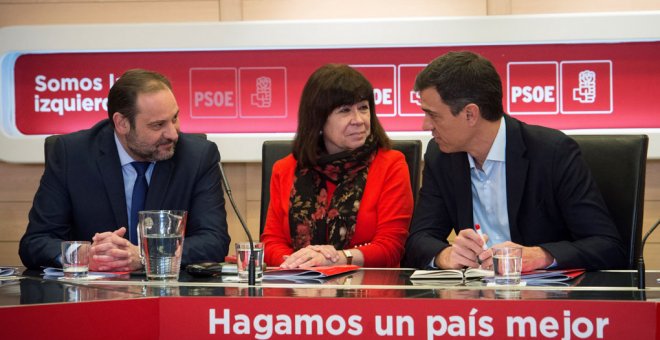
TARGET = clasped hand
x,y
110,251
312,256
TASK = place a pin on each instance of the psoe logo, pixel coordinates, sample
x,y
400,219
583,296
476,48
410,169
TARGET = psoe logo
x,y
532,87
586,86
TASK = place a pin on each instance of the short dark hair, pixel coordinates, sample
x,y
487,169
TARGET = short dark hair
x,y
123,94
331,86
464,77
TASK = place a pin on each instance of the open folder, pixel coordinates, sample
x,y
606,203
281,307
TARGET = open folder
x,y
535,278
54,272
452,274
8,271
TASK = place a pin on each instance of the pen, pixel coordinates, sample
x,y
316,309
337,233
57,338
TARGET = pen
x,y
477,227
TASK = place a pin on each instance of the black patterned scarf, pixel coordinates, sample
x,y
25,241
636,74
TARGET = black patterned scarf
x,y
311,221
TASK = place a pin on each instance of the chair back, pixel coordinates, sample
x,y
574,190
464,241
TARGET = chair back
x,y
272,151
49,144
618,165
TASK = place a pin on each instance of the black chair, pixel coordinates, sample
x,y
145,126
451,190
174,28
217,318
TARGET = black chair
x,y
272,151
49,144
618,165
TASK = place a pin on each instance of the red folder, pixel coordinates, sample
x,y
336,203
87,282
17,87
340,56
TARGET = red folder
x,y
551,275
312,273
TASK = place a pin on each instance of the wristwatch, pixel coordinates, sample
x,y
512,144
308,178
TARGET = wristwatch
x,y
348,255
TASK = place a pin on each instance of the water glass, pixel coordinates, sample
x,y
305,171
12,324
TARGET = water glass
x,y
507,265
243,258
75,259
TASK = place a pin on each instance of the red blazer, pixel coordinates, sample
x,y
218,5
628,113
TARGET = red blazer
x,y
382,221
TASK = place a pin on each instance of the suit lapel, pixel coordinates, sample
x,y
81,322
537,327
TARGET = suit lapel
x,y
159,183
460,169
517,166
113,179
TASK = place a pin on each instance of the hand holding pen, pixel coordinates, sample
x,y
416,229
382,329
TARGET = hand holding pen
x,y
467,250
477,228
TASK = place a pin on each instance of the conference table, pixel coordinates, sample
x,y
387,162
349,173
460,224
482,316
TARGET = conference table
x,y
367,303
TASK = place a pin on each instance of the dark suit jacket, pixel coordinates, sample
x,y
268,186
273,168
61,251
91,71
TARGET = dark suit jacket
x,y
552,201
82,193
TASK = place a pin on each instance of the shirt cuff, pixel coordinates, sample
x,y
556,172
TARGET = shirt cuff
x,y
431,264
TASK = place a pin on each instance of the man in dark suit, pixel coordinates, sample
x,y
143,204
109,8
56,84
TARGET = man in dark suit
x,y
87,185
525,185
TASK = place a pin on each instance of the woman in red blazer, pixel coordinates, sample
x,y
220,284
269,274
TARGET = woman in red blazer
x,y
342,196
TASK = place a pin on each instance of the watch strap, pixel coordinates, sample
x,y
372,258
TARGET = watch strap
x,y
348,255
